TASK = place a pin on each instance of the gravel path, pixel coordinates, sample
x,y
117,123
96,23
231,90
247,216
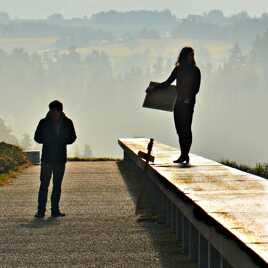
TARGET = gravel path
x,y
100,229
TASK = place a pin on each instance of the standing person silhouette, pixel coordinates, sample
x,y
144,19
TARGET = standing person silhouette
x,y
188,78
55,131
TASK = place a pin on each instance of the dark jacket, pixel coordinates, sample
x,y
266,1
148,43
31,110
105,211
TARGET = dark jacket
x,y
188,79
54,142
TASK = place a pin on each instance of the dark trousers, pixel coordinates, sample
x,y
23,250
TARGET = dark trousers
x,y
183,115
47,170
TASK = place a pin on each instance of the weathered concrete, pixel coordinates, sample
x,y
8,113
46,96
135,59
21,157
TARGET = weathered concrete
x,y
222,206
100,229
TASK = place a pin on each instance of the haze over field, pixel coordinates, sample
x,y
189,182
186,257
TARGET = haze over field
x,y
100,65
79,8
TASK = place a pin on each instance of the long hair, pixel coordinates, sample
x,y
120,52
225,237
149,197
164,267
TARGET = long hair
x,y
183,55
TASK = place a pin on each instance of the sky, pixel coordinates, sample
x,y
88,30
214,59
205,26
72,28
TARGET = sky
x,y
80,8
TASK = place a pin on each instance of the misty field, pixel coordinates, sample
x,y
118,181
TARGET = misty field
x,y
99,68
158,48
153,48
30,44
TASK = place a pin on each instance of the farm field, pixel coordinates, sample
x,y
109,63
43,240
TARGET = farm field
x,y
28,44
152,48
158,47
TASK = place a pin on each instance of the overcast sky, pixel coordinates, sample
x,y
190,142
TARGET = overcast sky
x,y
78,8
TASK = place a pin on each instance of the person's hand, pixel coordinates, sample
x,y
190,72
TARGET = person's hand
x,y
153,84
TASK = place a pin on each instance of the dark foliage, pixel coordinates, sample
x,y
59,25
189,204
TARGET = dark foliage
x,y
259,169
11,158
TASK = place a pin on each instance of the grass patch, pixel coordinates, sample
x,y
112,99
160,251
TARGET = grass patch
x,y
3,178
12,161
6,178
92,159
260,169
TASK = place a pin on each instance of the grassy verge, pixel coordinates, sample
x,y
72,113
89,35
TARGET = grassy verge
x,y
92,159
259,169
6,178
12,161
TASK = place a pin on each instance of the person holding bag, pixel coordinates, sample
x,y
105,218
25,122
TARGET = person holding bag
x,y
188,78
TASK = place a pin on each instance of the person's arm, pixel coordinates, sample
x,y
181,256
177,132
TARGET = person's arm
x,y
39,135
166,83
197,80
71,137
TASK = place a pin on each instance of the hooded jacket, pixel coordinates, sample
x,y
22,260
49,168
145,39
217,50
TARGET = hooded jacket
x,y
55,139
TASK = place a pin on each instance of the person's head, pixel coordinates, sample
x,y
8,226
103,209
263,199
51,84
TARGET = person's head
x,y
186,56
55,110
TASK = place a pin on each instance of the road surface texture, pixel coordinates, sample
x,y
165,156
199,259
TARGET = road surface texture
x,y
100,229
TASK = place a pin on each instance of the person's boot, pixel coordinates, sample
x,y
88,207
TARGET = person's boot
x,y
185,149
183,155
56,214
39,215
183,159
180,159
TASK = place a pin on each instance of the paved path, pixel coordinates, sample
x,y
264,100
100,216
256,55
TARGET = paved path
x,y
100,229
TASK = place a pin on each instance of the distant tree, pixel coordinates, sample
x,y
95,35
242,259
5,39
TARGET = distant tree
x,y
236,75
236,56
149,34
4,17
98,62
87,151
158,67
6,134
26,142
260,48
241,16
135,73
55,18
135,19
215,16
259,57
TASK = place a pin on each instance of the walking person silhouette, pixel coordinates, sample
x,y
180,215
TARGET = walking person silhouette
x,y
188,77
55,131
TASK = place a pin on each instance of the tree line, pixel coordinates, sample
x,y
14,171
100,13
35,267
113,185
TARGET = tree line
x,y
232,96
114,25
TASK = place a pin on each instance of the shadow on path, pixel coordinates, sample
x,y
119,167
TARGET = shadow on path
x,y
164,241
40,223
